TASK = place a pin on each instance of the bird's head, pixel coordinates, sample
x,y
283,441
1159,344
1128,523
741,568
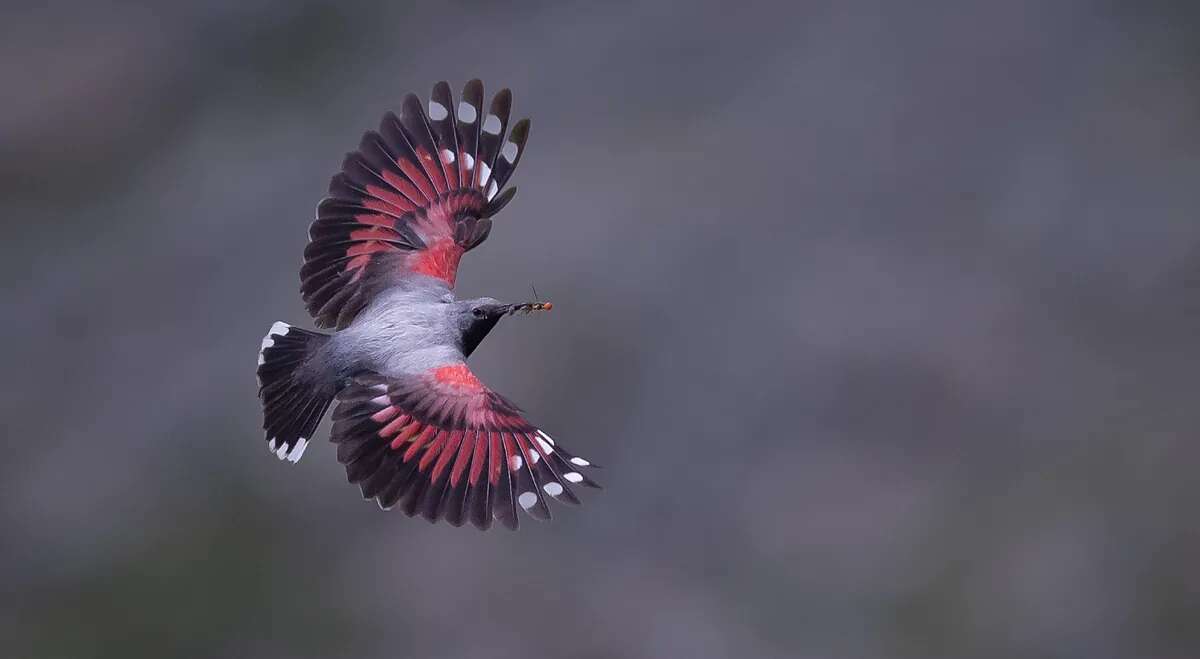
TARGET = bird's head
x,y
477,317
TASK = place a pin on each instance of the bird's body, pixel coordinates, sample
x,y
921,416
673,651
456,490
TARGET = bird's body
x,y
408,329
413,424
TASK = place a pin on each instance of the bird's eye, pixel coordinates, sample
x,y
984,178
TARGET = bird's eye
x,y
479,312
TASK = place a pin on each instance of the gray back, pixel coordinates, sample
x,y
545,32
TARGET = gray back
x,y
407,329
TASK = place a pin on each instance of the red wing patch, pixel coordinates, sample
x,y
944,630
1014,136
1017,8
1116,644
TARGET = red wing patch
x,y
416,195
457,376
444,446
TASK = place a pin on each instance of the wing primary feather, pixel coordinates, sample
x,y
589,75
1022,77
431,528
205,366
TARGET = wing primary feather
x,y
391,128
500,202
478,500
549,478
375,149
468,119
504,504
491,134
443,121
377,482
528,494
416,129
399,485
440,475
453,508
511,152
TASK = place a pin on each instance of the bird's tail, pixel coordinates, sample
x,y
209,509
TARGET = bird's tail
x,y
293,400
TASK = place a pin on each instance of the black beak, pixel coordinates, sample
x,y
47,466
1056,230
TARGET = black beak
x,y
526,308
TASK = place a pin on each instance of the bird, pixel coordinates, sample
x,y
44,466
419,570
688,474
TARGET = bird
x,y
413,425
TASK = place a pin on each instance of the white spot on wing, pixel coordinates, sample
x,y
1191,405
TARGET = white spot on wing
x,y
466,112
527,499
580,462
484,172
573,476
492,190
271,445
491,125
515,462
546,437
437,111
282,452
298,452
278,329
553,489
546,447
469,160
447,156
534,456
510,151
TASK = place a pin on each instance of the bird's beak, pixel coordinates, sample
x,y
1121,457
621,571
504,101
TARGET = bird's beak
x,y
528,307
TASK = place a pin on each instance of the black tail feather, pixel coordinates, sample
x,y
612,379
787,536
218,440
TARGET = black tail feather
x,y
293,402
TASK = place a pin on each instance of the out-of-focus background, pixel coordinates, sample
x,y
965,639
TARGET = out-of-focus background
x,y
881,316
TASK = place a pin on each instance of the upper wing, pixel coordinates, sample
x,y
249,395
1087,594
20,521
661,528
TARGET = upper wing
x,y
414,197
446,446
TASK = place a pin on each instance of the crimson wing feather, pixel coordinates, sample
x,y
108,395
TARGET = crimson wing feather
x,y
444,446
411,200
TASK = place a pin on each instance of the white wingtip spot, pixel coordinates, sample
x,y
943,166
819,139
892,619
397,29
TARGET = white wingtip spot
x,y
491,125
469,160
484,172
298,451
466,112
282,452
546,447
553,489
527,499
515,462
271,445
580,462
492,190
510,151
573,476
437,111
280,328
447,156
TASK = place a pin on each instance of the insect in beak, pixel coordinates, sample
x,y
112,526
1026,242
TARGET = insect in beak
x,y
529,307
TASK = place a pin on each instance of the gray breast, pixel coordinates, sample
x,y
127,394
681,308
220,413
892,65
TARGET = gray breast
x,y
402,331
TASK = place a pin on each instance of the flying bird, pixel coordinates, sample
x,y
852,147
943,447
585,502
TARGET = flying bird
x,y
414,427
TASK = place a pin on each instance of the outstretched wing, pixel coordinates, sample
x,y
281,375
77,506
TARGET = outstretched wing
x,y
444,445
415,196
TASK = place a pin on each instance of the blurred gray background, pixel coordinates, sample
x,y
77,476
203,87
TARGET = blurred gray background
x,y
881,318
